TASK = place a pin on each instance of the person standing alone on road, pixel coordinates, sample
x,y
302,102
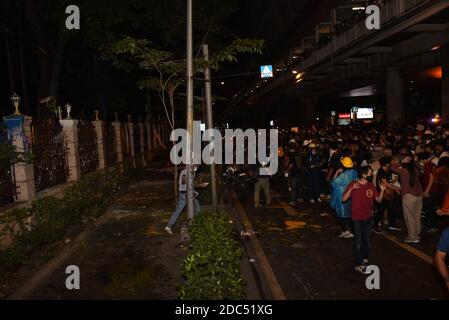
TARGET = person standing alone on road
x,y
262,182
314,174
295,181
362,193
182,199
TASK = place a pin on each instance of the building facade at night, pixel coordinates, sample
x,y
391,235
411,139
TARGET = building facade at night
x,y
401,70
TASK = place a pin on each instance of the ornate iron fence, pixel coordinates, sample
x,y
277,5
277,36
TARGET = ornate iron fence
x,y
87,145
7,185
109,141
49,153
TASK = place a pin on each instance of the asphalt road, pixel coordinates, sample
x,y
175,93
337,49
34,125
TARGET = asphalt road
x,y
310,262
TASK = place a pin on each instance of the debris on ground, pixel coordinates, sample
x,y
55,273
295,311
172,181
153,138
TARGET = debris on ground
x,y
247,233
295,224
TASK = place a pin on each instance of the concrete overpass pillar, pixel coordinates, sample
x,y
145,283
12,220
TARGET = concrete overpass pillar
x,y
395,96
445,83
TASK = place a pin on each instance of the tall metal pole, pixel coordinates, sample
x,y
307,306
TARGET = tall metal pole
x,y
190,170
210,123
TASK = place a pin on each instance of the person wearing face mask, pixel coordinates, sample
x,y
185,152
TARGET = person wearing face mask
x,y
388,206
362,194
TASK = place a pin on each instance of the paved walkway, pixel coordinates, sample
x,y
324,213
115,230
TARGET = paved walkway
x,y
126,255
310,262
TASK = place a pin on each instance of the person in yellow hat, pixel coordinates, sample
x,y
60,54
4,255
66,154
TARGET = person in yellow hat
x,y
345,175
347,163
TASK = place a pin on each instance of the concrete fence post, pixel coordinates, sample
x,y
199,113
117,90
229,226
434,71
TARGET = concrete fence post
x,y
19,132
159,129
132,152
165,131
99,132
116,126
154,133
162,124
168,128
70,129
142,142
148,133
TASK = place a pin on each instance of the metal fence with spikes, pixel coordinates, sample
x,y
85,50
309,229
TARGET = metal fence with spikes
x,y
48,153
87,144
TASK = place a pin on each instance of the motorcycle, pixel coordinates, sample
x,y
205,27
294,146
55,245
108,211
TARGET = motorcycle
x,y
235,176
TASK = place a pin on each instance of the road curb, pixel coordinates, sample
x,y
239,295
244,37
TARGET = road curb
x,y
267,271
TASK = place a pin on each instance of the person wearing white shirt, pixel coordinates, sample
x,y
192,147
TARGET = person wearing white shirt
x,y
182,200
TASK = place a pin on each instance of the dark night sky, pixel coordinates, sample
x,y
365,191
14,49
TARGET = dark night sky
x,y
282,23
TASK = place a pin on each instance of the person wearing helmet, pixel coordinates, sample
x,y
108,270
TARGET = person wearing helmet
x,y
345,175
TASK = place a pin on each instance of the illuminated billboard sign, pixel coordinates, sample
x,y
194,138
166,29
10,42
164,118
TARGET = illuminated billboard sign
x,y
365,113
344,116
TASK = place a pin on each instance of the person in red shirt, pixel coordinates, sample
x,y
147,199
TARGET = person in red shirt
x,y
362,193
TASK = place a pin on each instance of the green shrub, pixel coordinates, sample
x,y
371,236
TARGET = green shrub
x,y
212,268
53,217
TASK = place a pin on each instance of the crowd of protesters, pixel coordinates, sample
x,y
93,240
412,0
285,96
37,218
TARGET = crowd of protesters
x,y
372,176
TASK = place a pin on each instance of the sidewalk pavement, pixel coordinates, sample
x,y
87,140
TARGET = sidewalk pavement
x,y
126,254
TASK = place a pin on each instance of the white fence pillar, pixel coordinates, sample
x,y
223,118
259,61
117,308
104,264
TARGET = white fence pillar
x,y
99,132
132,152
99,135
19,132
116,126
142,143
154,133
148,133
70,129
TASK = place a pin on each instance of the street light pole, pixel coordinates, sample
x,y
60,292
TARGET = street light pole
x,y
210,123
190,170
